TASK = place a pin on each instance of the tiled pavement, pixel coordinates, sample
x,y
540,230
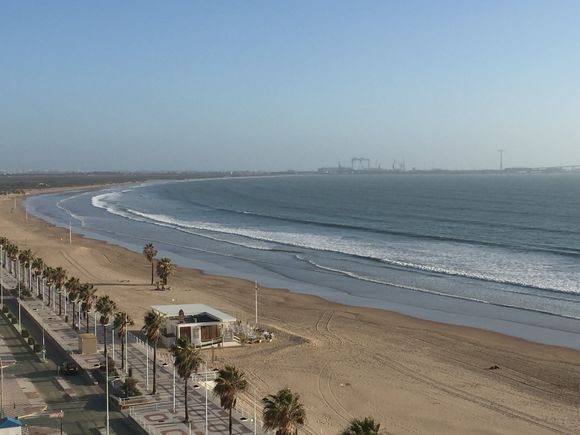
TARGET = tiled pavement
x,y
20,398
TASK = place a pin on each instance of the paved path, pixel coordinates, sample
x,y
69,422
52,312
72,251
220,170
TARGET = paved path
x,y
20,398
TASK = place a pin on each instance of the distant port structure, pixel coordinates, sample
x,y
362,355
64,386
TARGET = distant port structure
x,y
360,163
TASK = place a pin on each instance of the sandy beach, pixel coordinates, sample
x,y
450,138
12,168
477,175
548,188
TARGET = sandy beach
x,y
413,376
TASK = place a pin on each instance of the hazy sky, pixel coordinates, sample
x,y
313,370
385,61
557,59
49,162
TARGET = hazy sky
x,y
288,84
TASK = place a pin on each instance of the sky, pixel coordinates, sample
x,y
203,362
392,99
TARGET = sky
x,y
276,85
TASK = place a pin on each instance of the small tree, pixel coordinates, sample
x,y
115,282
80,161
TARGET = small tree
x,y
87,295
122,320
130,387
365,426
59,278
283,412
48,274
187,362
72,287
229,383
165,268
150,253
152,329
106,307
38,266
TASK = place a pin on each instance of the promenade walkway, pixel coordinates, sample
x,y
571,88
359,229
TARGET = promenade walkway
x,y
19,396
162,414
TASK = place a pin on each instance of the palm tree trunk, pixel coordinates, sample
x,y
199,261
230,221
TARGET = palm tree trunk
x,y
186,403
231,421
152,271
60,302
154,368
87,317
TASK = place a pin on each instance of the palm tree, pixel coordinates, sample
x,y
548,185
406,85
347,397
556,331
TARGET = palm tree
x,y
283,412
164,268
187,362
152,329
58,279
106,307
87,296
48,274
4,242
38,266
150,252
120,323
72,287
229,383
25,257
12,253
365,426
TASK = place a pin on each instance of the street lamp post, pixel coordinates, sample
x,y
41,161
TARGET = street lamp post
x,y
147,364
253,398
19,319
126,350
19,313
107,390
205,398
1,388
43,346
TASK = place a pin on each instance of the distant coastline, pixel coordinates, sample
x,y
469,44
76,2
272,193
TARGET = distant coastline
x,y
19,182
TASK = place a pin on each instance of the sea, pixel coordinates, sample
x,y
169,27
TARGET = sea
x,y
499,252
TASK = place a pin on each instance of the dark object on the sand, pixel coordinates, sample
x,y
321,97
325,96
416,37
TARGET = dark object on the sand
x,y
494,368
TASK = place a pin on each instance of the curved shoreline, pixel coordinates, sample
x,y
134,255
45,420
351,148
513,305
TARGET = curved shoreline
x,y
537,325
413,375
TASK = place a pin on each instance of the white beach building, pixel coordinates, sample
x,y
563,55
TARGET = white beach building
x,y
201,324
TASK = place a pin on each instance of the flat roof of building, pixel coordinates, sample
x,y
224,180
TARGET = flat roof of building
x,y
192,310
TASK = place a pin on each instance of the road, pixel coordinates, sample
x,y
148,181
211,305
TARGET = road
x,y
85,414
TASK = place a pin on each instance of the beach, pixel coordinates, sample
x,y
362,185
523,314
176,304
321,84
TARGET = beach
x,y
413,376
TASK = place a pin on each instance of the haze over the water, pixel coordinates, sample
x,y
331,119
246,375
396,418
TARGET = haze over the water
x,y
214,85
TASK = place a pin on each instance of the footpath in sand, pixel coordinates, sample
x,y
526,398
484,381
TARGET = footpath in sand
x,y
413,376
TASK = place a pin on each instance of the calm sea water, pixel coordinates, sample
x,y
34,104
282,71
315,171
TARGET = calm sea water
x,y
418,244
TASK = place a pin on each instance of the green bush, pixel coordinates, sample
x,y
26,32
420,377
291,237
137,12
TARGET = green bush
x,y
37,348
130,388
4,309
13,320
25,333
31,341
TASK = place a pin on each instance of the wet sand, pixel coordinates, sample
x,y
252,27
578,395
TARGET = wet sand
x,y
413,376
